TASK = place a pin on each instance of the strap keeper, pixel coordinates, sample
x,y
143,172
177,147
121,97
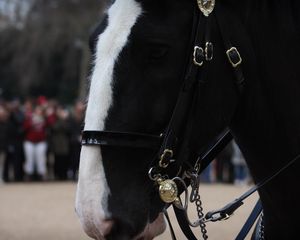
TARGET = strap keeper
x,y
234,57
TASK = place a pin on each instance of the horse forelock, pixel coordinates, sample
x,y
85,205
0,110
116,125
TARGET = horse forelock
x,y
93,190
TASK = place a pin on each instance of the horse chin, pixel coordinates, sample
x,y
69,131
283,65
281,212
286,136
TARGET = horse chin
x,y
154,229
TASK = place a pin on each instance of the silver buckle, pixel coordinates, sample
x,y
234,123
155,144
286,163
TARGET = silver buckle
x,y
196,49
163,163
231,60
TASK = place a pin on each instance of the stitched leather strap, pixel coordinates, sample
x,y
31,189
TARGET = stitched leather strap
x,y
121,139
233,55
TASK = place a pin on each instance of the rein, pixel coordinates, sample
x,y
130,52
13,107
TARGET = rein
x,y
228,210
170,146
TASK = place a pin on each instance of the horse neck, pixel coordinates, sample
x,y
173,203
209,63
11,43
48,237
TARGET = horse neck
x,y
266,123
266,127
269,137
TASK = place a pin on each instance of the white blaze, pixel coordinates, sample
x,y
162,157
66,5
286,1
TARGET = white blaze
x,y
92,189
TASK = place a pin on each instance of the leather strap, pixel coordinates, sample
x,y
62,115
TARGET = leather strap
x,y
234,57
250,221
120,139
170,225
186,95
214,149
230,208
183,224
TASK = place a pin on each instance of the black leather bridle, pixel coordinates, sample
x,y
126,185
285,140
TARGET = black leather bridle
x,y
166,144
170,145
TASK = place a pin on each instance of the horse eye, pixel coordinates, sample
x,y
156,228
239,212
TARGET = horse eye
x,y
157,53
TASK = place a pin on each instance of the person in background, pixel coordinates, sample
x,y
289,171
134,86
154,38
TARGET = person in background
x,y
49,107
60,143
28,107
35,144
76,122
241,175
4,131
15,154
208,174
224,166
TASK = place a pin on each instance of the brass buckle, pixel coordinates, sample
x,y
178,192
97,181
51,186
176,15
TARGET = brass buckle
x,y
162,162
229,54
196,49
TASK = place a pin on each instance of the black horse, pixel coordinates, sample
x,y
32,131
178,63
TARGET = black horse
x,y
244,75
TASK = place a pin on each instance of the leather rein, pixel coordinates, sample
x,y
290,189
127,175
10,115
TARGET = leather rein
x,y
170,146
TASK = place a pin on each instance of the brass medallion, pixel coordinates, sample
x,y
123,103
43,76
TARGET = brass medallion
x,y
168,191
206,6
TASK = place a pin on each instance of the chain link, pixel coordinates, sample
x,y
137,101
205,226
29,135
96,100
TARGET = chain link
x,y
199,207
197,199
261,227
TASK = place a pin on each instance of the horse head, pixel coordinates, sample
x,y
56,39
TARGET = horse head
x,y
143,55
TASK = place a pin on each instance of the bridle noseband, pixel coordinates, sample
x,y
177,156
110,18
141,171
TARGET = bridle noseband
x,y
120,139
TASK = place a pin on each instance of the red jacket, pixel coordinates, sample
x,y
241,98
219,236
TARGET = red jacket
x,y
35,128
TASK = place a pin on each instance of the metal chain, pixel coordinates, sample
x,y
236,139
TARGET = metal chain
x,y
195,197
261,227
199,207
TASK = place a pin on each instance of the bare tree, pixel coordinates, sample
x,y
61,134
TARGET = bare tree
x,y
49,54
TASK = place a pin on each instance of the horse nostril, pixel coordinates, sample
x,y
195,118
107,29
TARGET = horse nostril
x,y
106,227
121,230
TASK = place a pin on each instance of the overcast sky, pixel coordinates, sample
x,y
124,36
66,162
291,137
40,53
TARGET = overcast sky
x,y
8,7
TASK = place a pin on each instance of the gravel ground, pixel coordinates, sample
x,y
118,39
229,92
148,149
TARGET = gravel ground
x,y
46,212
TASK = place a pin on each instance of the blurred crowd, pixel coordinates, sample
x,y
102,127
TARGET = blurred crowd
x,y
228,167
39,140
